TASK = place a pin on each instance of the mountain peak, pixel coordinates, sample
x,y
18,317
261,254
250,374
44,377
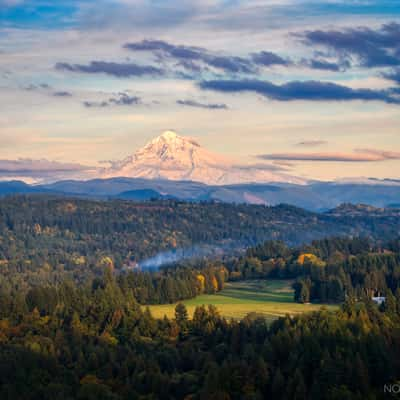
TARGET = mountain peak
x,y
169,135
168,146
174,157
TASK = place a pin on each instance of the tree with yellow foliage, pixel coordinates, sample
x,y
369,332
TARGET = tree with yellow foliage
x,y
310,259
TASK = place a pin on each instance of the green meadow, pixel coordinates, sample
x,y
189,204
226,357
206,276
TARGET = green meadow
x,y
270,298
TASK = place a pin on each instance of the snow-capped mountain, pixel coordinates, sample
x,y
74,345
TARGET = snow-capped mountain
x,y
174,157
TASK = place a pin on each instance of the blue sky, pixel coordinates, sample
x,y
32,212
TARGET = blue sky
x,y
46,14
311,86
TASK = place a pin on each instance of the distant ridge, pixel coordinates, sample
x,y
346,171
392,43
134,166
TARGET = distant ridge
x,y
354,210
15,187
319,196
335,198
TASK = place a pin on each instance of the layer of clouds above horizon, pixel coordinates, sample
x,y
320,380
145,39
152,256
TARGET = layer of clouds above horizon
x,y
83,81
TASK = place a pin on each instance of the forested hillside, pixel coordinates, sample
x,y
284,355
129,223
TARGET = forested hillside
x,y
43,238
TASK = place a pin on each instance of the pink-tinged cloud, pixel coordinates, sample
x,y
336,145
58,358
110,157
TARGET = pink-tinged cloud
x,y
39,171
43,165
383,154
359,155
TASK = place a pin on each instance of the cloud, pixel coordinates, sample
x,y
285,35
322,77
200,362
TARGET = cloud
x,y
311,143
184,52
210,106
118,70
300,90
394,75
267,58
231,64
62,93
283,164
359,155
124,99
372,47
121,99
95,104
40,171
191,54
41,86
382,154
192,66
326,65
47,89
261,167
30,166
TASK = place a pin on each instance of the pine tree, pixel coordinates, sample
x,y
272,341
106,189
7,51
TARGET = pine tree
x,y
181,317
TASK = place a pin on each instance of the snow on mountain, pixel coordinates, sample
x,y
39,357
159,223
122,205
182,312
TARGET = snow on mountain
x,y
174,157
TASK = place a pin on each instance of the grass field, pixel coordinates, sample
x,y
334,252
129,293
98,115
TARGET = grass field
x,y
273,298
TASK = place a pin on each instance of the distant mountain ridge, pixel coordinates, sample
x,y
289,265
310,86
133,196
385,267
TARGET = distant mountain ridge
x,y
316,196
357,210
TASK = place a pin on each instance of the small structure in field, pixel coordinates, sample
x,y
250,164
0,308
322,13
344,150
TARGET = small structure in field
x,y
379,300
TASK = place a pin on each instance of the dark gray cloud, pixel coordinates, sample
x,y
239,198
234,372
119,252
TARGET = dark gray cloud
x,y
120,70
199,60
191,54
267,58
210,106
62,93
191,66
184,52
311,143
231,64
301,90
373,47
121,99
393,75
359,155
395,91
326,65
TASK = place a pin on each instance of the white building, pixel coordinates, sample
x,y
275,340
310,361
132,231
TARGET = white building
x,y
379,300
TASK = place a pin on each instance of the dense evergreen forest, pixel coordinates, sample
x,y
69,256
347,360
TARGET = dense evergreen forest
x,y
73,321
98,343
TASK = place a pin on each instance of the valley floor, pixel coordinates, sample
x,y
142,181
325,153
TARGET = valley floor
x,y
272,299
